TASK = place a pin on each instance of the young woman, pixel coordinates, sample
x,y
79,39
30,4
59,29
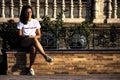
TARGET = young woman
x,y
29,31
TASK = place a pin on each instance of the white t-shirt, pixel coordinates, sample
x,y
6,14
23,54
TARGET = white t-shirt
x,y
29,28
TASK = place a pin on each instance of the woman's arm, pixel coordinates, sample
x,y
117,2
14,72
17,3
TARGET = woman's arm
x,y
21,34
38,34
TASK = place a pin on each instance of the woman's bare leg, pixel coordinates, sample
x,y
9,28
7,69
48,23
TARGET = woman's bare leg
x,y
34,42
33,53
39,47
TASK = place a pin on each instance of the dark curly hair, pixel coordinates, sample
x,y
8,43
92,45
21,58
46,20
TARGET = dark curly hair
x,y
23,16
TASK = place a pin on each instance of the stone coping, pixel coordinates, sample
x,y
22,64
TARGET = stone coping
x,y
70,51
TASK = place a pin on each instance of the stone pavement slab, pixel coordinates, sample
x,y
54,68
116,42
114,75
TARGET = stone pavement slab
x,y
62,77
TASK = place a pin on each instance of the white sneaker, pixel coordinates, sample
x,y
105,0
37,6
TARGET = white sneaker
x,y
32,72
49,59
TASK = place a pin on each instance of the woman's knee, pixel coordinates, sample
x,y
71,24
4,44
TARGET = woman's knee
x,y
33,49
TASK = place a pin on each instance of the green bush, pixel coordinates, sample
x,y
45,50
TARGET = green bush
x,y
9,35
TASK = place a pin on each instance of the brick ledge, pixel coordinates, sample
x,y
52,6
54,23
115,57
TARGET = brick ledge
x,y
69,51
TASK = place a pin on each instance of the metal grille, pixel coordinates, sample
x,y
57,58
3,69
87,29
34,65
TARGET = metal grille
x,y
106,38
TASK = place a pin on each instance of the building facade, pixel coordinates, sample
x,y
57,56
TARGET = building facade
x,y
73,11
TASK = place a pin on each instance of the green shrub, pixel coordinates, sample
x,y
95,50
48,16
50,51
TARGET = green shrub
x,y
9,35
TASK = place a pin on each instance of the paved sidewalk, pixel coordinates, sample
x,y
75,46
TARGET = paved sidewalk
x,y
63,77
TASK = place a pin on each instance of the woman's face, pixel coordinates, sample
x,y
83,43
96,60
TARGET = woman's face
x,y
28,13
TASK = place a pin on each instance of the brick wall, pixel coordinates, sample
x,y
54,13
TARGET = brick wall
x,y
66,62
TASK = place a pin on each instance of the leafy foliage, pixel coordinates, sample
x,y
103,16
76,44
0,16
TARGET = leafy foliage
x,y
84,28
9,35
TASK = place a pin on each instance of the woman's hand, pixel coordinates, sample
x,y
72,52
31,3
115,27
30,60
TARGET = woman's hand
x,y
34,36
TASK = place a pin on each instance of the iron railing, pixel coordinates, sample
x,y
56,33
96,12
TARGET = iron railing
x,y
100,37
104,38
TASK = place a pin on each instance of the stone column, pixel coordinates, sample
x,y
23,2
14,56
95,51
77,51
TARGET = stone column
x,y
3,9
63,8
29,2
11,9
54,9
96,9
71,11
20,7
46,7
115,9
80,9
37,9
109,9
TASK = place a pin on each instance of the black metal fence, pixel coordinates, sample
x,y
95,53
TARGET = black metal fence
x,y
105,38
99,37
